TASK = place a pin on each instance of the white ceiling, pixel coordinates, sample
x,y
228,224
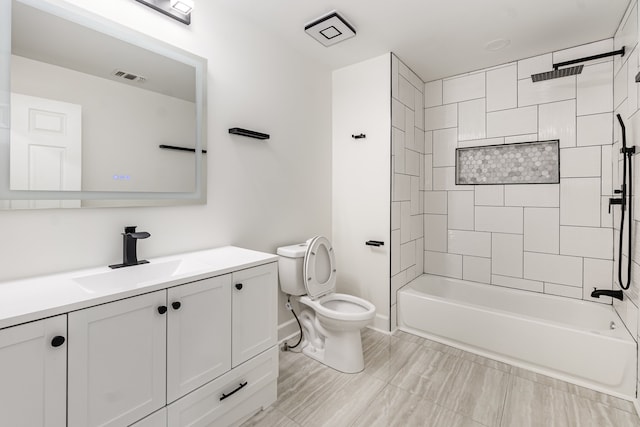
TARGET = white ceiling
x,y
438,38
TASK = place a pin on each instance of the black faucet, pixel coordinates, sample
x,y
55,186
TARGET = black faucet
x,y
607,292
129,240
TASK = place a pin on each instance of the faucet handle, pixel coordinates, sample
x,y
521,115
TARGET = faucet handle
x,y
130,229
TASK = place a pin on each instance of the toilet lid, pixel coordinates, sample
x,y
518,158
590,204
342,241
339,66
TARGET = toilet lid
x,y
319,268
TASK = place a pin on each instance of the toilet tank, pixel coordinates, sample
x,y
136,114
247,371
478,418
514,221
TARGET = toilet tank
x,y
290,266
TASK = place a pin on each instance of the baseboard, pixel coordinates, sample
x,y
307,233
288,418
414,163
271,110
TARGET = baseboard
x,y
288,330
380,323
636,404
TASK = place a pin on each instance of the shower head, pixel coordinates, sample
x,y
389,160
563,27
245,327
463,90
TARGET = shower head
x,y
557,73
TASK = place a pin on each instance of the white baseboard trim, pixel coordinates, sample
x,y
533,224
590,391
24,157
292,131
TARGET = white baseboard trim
x,y
636,404
287,330
380,323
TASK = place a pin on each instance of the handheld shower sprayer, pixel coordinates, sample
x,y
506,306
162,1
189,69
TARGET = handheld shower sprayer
x,y
626,190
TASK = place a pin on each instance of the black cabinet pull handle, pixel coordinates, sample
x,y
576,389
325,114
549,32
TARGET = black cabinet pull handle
x,y
57,341
376,243
176,305
238,286
162,309
224,396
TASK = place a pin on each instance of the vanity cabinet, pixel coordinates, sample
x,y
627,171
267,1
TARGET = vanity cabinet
x,y
117,361
33,374
132,357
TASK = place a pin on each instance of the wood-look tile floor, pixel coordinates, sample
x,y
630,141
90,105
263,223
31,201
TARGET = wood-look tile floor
x,y
411,381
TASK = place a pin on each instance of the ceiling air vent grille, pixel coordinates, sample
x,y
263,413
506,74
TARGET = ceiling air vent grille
x,y
129,76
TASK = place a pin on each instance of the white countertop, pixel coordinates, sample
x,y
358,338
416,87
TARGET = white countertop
x,y
45,296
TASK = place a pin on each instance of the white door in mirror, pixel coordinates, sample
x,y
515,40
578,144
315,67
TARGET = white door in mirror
x,y
45,150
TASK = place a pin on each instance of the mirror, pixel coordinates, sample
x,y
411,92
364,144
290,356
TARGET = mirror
x,y
88,108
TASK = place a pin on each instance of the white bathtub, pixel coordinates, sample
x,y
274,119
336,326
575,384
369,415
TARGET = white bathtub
x,y
567,339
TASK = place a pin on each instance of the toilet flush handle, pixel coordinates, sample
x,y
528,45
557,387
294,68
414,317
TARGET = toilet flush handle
x,y
376,243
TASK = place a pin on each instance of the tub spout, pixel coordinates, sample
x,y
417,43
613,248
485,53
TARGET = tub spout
x,y
607,292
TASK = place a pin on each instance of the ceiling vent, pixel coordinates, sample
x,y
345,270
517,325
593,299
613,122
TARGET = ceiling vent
x,y
330,29
129,76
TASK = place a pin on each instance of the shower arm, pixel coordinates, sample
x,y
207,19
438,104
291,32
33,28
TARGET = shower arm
x,y
589,58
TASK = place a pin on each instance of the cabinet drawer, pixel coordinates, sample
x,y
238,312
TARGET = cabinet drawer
x,y
208,406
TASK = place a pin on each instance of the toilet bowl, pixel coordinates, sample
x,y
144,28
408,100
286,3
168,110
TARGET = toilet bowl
x,y
331,322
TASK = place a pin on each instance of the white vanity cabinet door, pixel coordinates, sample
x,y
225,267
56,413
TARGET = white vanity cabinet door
x,y
254,311
33,374
157,419
117,361
198,334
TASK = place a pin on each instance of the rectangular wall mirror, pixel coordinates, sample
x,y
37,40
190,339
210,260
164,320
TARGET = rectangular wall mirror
x,y
85,106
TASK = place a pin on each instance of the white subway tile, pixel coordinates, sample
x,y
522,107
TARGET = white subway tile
x,y
398,150
476,269
405,222
416,207
395,252
481,142
506,254
405,94
530,93
471,119
409,127
443,178
502,88
632,89
580,201
435,233
512,122
395,215
598,273
620,87
444,147
521,138
499,219
489,195
401,187
445,116
536,195
443,264
628,32
542,230
419,110
562,290
433,94
394,77
428,142
595,90
564,270
397,114
469,243
606,217
460,209
595,129
419,140
580,162
419,256
558,121
412,163
463,88
582,51
586,242
435,202
407,255
515,283
408,74
428,172
534,65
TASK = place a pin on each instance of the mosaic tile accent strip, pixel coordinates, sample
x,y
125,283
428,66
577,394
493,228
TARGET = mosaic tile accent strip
x,y
522,163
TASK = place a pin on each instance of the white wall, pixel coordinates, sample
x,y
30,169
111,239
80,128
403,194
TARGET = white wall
x,y
551,238
625,96
260,194
361,181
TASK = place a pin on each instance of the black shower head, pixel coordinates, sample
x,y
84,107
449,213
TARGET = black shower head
x,y
557,73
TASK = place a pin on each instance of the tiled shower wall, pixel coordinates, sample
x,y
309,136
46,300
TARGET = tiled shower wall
x,y
626,104
550,238
408,177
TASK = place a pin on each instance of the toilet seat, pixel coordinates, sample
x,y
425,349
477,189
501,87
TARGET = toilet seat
x,y
341,307
319,268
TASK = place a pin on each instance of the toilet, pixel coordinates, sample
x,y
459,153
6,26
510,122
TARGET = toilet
x,y
331,322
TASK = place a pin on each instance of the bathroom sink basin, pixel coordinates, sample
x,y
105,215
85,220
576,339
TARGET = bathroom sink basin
x,y
139,275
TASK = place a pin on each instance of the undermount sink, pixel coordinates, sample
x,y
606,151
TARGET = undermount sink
x,y
139,275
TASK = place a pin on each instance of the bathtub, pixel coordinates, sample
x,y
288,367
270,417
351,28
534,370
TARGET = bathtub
x,y
567,339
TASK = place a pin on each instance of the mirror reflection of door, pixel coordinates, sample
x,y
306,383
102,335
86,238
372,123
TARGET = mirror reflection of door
x,y
45,149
